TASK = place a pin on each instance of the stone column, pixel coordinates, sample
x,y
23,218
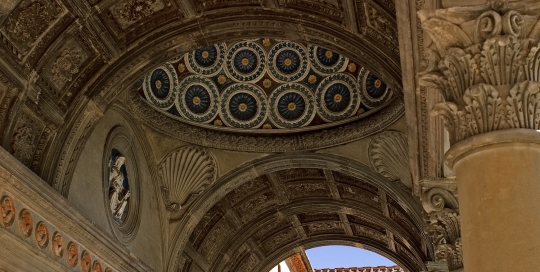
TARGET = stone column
x,y
498,175
485,62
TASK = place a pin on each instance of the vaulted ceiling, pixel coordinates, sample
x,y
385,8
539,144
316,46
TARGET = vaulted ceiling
x,y
64,62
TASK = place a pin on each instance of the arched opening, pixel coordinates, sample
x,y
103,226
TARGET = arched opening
x,y
282,205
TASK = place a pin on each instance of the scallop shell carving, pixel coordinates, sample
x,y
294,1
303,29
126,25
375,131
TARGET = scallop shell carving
x,y
389,155
184,172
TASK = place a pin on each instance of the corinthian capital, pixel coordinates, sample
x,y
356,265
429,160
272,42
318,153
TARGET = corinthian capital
x,y
485,61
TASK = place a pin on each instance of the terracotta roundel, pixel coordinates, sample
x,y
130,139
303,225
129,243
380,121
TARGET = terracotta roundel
x,y
86,261
7,208
25,223
42,235
57,245
72,255
278,85
96,266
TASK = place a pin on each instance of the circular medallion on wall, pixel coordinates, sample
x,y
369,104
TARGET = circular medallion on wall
x,y
160,86
8,211
326,61
246,61
198,99
374,91
337,97
72,255
42,235
96,266
57,246
120,185
291,106
207,60
25,223
288,62
86,261
243,106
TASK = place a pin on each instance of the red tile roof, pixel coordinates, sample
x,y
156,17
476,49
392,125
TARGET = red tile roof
x,y
362,269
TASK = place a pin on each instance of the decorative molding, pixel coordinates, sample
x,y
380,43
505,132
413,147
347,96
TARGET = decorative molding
x,y
73,144
485,65
443,225
168,125
389,155
184,174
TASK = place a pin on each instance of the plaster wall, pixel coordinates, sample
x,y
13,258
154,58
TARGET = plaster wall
x,y
87,193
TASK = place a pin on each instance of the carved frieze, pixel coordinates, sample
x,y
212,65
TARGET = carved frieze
x,y
485,65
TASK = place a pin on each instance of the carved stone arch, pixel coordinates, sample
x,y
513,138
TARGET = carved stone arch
x,y
403,205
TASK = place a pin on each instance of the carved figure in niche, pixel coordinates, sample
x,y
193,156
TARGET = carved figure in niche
x,y
96,266
8,211
86,261
72,254
25,222
42,235
57,245
118,186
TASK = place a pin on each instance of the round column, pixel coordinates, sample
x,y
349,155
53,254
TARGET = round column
x,y
498,176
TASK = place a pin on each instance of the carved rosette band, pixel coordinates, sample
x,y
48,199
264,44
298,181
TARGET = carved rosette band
x,y
443,224
487,69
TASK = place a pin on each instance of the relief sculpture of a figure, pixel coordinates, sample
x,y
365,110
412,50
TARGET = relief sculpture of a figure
x,y
118,195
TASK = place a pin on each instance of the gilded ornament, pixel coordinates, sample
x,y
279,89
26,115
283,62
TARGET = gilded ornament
x,y
266,42
378,83
222,79
267,126
267,83
360,111
312,79
218,123
181,67
329,53
158,83
351,67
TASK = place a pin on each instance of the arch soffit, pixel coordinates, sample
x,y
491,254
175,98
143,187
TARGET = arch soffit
x,y
250,171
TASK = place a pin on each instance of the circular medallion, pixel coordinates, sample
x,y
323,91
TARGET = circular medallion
x,y
86,261
96,266
198,98
8,211
57,246
337,97
25,223
243,106
72,254
160,86
288,62
291,105
246,61
374,91
42,235
206,60
326,61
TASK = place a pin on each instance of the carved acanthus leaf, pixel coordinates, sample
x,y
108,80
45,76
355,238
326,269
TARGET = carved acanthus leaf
x,y
524,105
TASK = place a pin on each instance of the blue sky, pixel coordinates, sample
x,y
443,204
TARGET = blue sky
x,y
344,256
